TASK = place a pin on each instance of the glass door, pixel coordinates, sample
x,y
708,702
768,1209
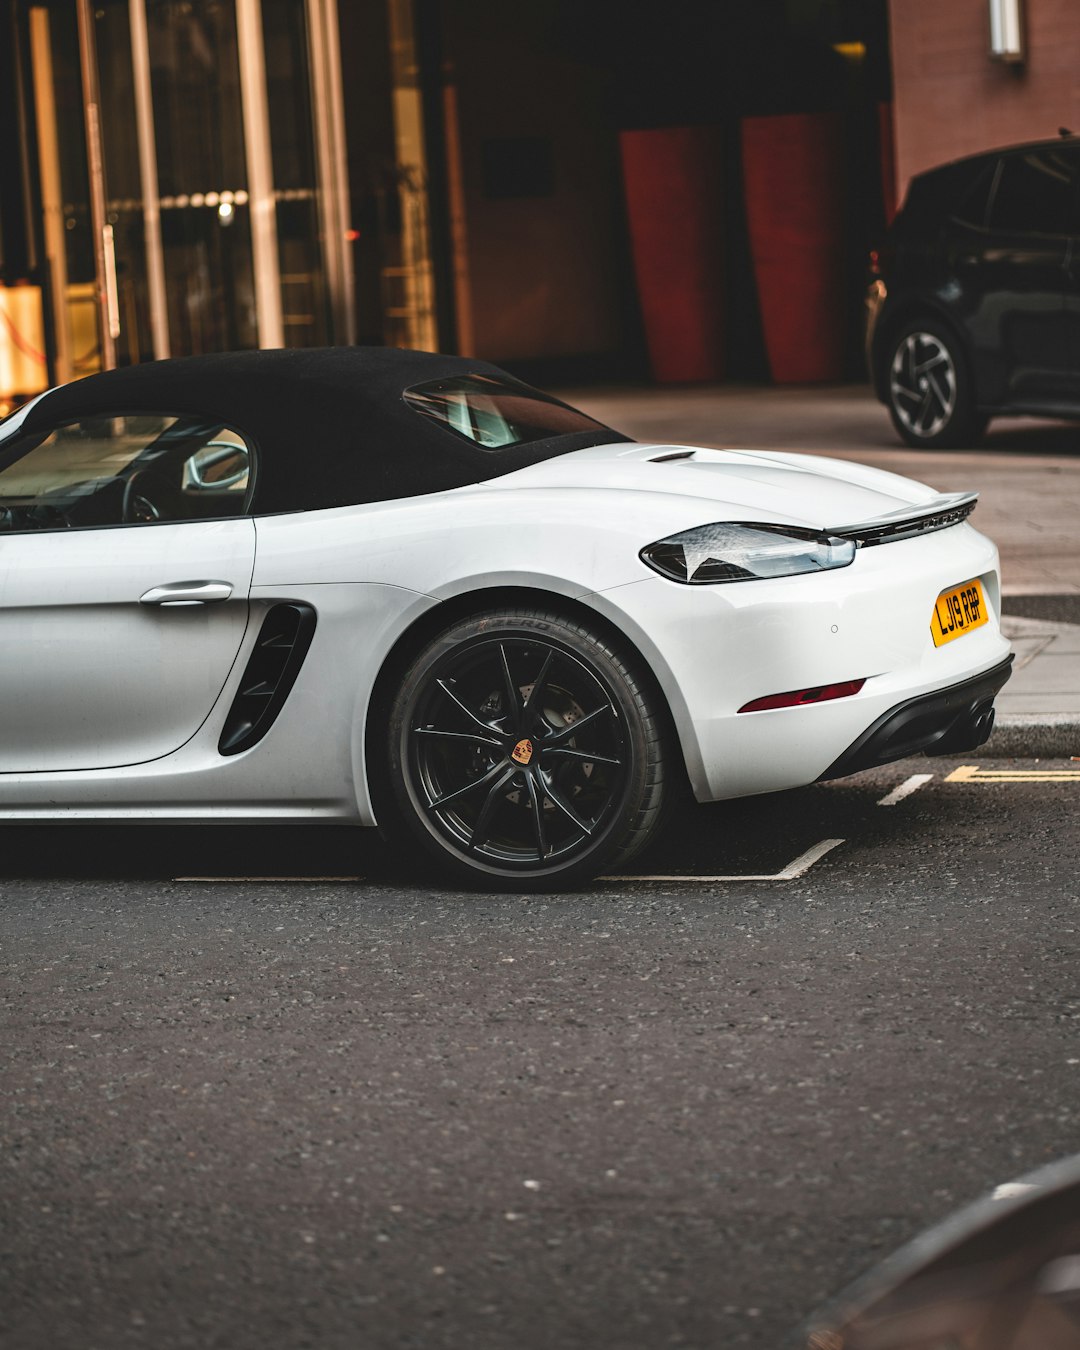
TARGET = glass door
x,y
203,176
189,176
87,290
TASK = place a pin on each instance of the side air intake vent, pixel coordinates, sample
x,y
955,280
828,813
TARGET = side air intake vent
x,y
271,671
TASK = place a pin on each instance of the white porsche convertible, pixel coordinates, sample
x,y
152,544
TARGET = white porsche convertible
x,y
375,586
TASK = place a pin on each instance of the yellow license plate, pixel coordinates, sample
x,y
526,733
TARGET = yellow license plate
x,y
957,612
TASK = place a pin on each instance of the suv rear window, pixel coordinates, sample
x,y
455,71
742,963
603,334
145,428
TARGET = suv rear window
x,y
496,414
1036,193
942,192
974,203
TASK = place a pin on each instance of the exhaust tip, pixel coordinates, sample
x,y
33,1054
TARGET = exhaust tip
x,y
982,725
970,730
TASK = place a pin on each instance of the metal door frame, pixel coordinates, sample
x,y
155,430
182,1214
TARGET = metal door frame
x,y
328,132
328,116
148,178
104,249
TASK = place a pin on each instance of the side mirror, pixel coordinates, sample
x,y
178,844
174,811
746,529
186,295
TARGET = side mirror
x,y
216,467
1003,1274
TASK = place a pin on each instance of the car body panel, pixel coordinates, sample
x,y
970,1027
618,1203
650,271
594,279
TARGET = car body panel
x,y
308,768
563,532
71,620
741,642
799,489
1012,307
563,524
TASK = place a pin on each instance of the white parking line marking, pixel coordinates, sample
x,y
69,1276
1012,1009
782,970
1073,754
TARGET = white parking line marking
x,y
971,773
307,879
798,868
906,788
805,861
792,872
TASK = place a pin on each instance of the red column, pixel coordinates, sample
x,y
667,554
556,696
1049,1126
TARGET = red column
x,y
672,179
793,176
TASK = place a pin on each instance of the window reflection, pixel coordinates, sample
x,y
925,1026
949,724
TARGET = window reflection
x,y
199,127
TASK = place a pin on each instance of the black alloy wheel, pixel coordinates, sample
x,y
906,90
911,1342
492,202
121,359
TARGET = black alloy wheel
x,y
524,751
930,397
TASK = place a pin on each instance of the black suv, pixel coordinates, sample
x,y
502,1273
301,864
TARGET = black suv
x,y
974,305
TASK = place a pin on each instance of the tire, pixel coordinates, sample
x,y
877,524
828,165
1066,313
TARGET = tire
x,y
522,752
931,400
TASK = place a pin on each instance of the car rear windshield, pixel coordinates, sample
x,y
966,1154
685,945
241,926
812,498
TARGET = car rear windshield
x,y
496,414
950,190
1036,192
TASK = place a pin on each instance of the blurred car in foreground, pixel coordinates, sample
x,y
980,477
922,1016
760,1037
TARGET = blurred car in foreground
x,y
363,585
1002,1274
974,310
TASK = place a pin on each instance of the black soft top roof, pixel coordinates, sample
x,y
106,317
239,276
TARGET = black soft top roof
x,y
329,424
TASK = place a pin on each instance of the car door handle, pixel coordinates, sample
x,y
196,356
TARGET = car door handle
x,y
187,593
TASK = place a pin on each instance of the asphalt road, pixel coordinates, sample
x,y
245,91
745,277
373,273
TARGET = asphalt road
x,y
362,1114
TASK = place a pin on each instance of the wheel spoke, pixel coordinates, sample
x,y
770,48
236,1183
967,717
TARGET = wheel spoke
x,y
561,804
478,721
938,359
513,693
536,692
491,801
557,738
586,756
503,690
483,781
923,384
536,798
470,737
941,394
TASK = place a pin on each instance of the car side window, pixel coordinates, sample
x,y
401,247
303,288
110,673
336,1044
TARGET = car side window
x,y
128,469
974,201
495,414
1036,193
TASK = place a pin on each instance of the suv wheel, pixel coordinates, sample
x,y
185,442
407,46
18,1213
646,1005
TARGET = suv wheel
x,y
930,396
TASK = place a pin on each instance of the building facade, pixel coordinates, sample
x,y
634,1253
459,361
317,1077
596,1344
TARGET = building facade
x,y
560,186
953,98
185,181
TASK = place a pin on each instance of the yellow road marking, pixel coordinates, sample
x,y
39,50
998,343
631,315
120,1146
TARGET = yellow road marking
x,y
971,773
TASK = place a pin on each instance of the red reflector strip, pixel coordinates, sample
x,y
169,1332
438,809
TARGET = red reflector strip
x,y
820,693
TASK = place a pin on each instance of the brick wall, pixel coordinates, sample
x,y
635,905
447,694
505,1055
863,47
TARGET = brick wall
x,y
950,99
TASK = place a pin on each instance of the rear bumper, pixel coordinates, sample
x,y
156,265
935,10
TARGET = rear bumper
x,y
945,722
715,648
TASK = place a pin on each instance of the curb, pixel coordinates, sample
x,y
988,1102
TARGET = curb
x,y
1046,675
1031,736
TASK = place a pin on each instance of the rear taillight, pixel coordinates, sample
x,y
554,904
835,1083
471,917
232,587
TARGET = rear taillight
x,y
880,260
797,698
